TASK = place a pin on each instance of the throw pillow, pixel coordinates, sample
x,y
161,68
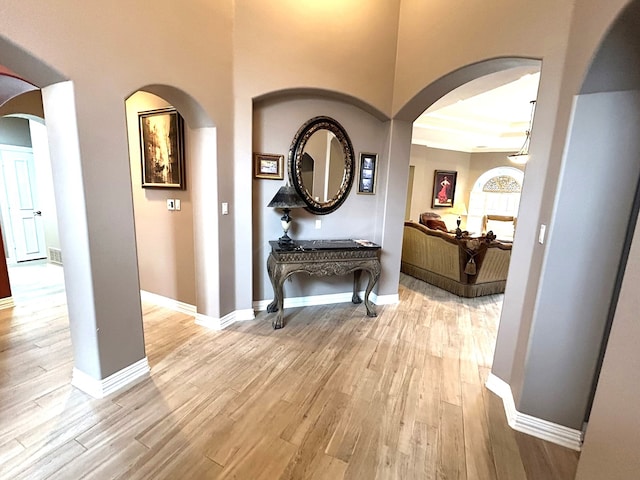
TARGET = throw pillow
x,y
436,225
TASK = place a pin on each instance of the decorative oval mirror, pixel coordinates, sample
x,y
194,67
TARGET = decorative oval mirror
x,y
321,164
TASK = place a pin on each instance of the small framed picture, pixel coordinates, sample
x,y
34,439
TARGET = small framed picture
x,y
267,165
444,188
367,173
162,148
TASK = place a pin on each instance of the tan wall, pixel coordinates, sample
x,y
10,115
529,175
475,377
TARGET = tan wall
x,y
343,46
469,167
426,160
164,238
483,162
433,42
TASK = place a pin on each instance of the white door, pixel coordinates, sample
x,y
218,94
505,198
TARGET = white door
x,y
24,213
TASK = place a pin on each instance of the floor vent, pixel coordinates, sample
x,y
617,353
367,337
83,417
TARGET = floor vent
x,y
55,255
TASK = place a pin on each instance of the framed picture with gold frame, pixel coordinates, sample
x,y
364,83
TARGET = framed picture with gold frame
x,y
162,148
268,165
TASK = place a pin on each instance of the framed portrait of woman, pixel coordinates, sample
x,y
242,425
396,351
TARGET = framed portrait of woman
x,y
444,188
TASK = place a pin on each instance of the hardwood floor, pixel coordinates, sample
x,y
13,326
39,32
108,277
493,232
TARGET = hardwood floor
x,y
333,395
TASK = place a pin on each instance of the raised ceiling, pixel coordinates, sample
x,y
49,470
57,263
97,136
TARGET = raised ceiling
x,y
489,114
11,85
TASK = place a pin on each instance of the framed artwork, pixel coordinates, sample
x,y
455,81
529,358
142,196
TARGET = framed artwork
x,y
267,165
367,173
444,188
162,148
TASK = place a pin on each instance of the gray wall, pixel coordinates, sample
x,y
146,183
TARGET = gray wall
x,y
275,123
583,254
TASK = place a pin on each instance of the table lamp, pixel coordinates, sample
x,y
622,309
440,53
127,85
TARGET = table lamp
x,y
459,209
285,199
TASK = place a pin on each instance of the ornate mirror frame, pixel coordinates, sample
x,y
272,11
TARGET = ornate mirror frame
x,y
296,153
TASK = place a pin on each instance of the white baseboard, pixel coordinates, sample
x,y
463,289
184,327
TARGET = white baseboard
x,y
328,299
385,299
201,319
245,315
222,323
127,377
537,427
7,302
169,303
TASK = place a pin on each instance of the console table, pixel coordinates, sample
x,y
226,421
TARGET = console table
x,y
322,257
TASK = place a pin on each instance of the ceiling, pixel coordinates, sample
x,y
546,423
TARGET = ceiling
x,y
11,85
489,114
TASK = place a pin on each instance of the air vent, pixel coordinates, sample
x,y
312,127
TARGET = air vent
x,y
55,255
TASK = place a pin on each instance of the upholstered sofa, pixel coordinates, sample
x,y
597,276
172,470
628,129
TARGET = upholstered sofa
x,y
460,264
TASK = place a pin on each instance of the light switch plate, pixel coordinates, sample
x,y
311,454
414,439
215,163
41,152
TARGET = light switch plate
x,y
543,230
177,204
225,208
171,204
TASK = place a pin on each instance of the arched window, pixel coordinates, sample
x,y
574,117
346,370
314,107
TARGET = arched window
x,y
496,192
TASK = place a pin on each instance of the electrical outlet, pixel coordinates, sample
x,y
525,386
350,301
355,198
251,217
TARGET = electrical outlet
x,y
225,208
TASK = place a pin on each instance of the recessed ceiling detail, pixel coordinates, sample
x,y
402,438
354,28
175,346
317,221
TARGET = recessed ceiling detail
x,y
489,114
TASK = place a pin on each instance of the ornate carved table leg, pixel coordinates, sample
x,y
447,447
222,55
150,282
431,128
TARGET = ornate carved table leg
x,y
278,321
271,264
278,280
356,282
374,275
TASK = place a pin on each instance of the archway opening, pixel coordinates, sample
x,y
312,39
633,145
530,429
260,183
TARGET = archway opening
x,y
465,134
28,216
176,236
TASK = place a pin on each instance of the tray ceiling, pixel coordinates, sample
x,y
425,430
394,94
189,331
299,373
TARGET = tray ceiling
x,y
489,114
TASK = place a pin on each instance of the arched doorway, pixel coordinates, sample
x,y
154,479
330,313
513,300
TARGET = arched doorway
x,y
184,234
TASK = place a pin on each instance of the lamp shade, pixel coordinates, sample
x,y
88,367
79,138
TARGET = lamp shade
x,y
519,158
287,197
459,209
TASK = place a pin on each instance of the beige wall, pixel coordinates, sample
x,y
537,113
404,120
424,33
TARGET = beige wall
x,y
341,46
164,238
433,42
426,160
483,162
469,167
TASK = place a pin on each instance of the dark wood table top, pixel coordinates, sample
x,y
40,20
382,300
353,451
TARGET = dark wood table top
x,y
317,245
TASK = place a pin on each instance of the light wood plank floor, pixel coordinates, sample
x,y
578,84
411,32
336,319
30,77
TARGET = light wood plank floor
x,y
333,395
